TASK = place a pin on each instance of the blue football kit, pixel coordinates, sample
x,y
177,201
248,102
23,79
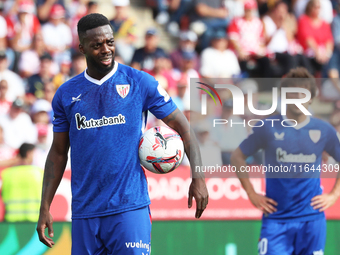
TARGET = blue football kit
x,y
105,119
295,228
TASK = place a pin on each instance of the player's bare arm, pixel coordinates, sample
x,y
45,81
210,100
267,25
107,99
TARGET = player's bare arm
x,y
54,170
265,204
198,189
324,201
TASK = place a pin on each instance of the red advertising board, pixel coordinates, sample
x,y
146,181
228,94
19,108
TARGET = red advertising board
x,y
169,200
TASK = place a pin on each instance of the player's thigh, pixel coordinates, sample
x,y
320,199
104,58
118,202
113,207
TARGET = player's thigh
x,y
85,237
276,238
131,234
311,238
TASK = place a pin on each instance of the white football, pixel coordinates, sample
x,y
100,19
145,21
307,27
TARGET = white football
x,y
161,150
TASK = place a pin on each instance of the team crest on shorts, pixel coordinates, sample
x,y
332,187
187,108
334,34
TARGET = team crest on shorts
x,y
123,90
315,135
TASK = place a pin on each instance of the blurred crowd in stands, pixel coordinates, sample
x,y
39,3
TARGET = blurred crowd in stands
x,y
210,39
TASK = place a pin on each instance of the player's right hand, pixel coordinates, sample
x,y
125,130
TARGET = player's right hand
x,y
45,221
265,204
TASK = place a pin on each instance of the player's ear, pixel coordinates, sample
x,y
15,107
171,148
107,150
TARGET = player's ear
x,y
81,48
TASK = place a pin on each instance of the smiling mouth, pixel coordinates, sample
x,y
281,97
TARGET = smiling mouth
x,y
106,61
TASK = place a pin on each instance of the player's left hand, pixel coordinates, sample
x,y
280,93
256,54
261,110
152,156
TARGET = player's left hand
x,y
199,191
324,201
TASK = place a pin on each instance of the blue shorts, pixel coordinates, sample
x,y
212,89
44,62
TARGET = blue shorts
x,y
293,238
127,233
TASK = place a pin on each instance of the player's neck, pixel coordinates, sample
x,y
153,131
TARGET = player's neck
x,y
297,117
95,74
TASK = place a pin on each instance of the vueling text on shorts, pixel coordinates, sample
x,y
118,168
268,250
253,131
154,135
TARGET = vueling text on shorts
x,y
139,244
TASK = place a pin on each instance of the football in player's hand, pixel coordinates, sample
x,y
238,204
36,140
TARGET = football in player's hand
x,y
161,150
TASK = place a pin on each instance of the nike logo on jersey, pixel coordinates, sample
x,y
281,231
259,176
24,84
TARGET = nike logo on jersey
x,y
279,136
82,123
320,252
282,156
75,99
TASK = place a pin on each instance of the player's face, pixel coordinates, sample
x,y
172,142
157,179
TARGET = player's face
x,y
292,108
99,49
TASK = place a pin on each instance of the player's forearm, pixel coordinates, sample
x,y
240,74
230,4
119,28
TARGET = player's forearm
x,y
54,170
177,121
238,160
193,152
336,189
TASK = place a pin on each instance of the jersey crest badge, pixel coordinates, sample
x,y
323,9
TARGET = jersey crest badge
x,y
123,90
315,135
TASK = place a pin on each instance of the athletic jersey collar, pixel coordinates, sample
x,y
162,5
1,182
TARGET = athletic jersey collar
x,y
299,125
105,78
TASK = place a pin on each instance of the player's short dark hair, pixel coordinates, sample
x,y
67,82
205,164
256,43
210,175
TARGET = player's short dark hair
x,y
25,148
300,77
91,21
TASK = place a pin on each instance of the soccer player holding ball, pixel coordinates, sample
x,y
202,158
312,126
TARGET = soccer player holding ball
x,y
100,114
293,208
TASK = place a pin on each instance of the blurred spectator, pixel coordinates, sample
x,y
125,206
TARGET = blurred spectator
x,y
78,64
92,7
124,28
5,105
3,33
45,7
218,61
210,151
235,8
41,112
36,83
179,99
6,152
315,36
64,74
186,69
17,125
29,62
214,15
251,85
21,187
22,26
331,88
326,9
179,10
187,72
187,42
277,41
228,135
144,58
42,146
162,13
16,86
247,39
49,91
159,69
57,35
78,10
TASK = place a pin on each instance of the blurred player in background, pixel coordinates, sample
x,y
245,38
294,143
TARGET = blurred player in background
x,y
293,221
100,114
